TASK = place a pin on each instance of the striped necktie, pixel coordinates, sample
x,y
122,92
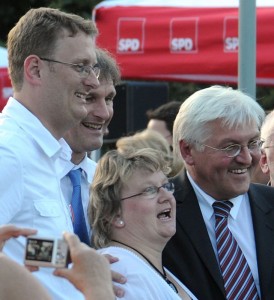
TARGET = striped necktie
x,y
238,280
78,217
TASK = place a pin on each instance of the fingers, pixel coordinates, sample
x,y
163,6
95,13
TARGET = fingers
x,y
118,291
110,258
71,239
9,231
32,268
117,277
65,273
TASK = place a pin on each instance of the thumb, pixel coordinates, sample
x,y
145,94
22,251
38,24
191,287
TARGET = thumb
x,y
65,273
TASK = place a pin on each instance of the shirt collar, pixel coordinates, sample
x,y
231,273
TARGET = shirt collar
x,y
33,127
85,166
206,201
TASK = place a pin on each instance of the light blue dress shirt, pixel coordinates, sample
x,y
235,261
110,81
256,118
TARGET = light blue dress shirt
x,y
239,222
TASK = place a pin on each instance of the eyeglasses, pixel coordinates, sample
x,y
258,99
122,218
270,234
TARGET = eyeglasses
x,y
151,191
83,70
235,149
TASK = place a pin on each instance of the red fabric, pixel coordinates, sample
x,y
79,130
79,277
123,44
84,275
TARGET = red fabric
x,y
5,87
182,44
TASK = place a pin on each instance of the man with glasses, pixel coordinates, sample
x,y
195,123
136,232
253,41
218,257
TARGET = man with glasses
x,y
53,67
267,157
223,247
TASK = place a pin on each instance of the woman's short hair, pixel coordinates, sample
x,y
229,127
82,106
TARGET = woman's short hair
x,y
113,170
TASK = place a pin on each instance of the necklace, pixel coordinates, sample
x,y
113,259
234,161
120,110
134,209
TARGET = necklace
x,y
163,275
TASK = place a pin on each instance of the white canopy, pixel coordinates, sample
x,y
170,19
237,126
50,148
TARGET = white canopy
x,y
180,3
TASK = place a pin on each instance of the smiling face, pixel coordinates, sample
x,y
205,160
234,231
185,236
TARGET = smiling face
x,y
149,221
220,176
88,135
64,90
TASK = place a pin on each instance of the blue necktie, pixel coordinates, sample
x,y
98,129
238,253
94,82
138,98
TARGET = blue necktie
x,y
78,217
238,280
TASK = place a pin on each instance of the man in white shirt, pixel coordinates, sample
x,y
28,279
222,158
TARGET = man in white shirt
x,y
88,135
53,67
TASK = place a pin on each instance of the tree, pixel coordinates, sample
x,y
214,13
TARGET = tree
x,y
12,10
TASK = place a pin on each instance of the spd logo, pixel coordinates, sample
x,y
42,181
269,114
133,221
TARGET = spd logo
x,y
184,35
131,35
231,41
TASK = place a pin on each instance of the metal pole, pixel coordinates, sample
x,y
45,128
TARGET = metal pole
x,y
247,47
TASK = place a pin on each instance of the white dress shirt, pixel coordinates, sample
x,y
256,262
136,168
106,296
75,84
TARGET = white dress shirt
x,y
88,167
143,282
239,222
30,193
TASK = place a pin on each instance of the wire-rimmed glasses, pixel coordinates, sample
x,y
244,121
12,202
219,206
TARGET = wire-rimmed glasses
x,y
235,149
151,191
83,70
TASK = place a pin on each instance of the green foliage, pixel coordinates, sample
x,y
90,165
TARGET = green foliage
x,y
180,91
265,96
12,10
80,7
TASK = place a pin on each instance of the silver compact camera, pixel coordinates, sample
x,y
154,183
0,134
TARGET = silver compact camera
x,y
46,252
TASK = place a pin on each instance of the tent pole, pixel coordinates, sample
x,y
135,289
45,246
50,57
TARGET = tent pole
x,y
247,47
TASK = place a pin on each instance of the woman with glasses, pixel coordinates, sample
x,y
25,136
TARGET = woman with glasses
x,y
133,213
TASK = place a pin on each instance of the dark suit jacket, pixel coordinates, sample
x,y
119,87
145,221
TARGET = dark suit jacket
x,y
189,254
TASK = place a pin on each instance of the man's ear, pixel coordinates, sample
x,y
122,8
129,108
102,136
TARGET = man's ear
x,y
263,163
32,68
186,152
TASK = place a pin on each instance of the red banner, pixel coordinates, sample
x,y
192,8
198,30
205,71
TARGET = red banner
x,y
182,43
5,87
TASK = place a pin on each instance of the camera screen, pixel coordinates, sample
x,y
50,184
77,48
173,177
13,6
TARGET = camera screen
x,y
39,250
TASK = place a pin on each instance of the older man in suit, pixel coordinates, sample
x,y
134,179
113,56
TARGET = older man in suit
x,y
224,244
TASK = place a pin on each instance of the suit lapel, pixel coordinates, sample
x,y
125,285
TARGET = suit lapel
x,y
263,223
190,218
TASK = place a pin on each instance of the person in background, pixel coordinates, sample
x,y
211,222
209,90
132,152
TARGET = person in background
x,y
51,77
18,283
149,138
161,120
258,175
267,157
146,138
217,134
88,135
132,212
